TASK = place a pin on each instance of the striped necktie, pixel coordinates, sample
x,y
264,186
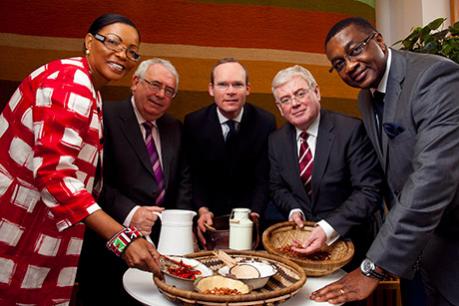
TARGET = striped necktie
x,y
154,158
306,163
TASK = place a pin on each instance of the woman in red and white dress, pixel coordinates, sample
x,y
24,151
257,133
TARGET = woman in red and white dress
x,y
50,157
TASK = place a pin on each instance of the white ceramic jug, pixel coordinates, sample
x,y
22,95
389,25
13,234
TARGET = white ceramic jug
x,y
241,229
176,237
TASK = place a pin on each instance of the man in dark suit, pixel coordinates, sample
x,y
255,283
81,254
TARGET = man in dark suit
x,y
338,186
415,131
132,189
227,147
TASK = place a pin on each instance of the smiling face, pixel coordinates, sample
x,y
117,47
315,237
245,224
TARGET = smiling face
x,y
150,102
365,70
108,65
303,102
229,89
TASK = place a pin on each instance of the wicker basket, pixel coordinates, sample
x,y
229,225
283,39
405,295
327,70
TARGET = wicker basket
x,y
284,233
285,284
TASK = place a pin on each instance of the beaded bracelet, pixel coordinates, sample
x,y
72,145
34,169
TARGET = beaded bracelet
x,y
119,242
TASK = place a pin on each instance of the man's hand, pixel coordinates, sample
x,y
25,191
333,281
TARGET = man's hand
x,y
298,218
205,217
315,241
352,287
142,255
144,218
255,217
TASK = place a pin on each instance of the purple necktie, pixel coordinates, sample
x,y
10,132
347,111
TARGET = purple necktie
x,y
154,158
306,163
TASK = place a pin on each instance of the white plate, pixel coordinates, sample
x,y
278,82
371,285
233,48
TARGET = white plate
x,y
140,285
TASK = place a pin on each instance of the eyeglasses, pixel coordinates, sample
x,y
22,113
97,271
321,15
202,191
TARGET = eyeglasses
x,y
298,96
156,87
352,54
114,42
225,86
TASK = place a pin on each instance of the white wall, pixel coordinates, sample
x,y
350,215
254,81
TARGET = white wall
x,y
396,18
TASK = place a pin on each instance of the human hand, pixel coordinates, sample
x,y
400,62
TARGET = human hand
x,y
315,241
352,287
144,218
142,255
205,217
298,218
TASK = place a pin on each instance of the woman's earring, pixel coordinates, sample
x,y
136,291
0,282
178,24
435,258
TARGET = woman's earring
x,y
87,52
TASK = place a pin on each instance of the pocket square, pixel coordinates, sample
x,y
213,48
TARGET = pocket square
x,y
392,130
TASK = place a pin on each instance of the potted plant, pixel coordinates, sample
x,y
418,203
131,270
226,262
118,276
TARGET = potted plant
x,y
429,39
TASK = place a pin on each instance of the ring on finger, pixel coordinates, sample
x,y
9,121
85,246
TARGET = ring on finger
x,y
341,291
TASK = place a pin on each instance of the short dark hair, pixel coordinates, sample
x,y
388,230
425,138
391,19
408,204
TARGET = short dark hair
x,y
224,61
108,19
340,25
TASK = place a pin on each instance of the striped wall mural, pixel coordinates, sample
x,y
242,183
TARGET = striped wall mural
x,y
265,35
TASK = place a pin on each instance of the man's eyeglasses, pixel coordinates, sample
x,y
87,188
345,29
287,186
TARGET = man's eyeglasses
x,y
298,96
352,54
114,42
225,85
156,87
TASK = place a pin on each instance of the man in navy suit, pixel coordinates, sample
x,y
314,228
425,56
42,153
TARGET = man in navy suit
x,y
342,192
410,107
227,148
131,192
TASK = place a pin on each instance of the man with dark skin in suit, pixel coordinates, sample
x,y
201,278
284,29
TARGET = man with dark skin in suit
x,y
410,108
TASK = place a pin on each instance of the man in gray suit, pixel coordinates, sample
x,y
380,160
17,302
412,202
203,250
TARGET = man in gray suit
x,y
415,131
132,189
345,179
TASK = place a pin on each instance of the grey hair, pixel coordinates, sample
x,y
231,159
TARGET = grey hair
x,y
143,67
289,73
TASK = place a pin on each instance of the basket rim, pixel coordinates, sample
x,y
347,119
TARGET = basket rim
x,y
310,263
279,294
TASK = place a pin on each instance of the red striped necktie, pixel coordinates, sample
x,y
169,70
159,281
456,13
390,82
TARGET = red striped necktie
x,y
306,163
154,158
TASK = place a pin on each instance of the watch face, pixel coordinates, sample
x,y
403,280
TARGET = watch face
x,y
367,266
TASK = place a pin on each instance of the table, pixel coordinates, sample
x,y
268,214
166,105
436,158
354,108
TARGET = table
x,y
140,285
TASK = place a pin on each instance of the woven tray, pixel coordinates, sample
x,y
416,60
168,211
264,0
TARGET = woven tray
x,y
284,233
280,287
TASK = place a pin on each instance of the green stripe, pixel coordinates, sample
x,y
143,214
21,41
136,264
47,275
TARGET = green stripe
x,y
362,8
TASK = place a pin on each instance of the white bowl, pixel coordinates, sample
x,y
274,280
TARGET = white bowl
x,y
183,283
266,271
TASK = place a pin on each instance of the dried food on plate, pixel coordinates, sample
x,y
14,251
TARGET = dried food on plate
x,y
180,272
220,285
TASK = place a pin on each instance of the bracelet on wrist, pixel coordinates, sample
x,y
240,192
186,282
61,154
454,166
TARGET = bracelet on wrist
x,y
120,241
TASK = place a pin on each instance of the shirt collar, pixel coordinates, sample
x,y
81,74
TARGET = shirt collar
x,y
383,83
140,119
312,130
222,119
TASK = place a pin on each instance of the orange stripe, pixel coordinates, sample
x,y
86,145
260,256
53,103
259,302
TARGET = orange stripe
x,y
184,22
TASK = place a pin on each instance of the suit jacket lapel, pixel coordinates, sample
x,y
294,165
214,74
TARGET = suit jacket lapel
x,y
166,150
394,87
324,143
131,131
369,120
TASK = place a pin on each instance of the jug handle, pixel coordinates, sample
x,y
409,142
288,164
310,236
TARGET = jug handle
x,y
158,214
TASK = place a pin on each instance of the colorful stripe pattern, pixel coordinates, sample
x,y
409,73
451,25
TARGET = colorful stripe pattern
x,y
266,35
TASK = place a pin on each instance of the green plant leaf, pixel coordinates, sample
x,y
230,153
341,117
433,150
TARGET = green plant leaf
x,y
435,24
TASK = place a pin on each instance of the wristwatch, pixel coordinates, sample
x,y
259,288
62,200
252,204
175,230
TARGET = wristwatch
x,y
368,268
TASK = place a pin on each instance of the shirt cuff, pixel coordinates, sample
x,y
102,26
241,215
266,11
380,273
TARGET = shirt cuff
x,y
294,211
330,232
127,221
